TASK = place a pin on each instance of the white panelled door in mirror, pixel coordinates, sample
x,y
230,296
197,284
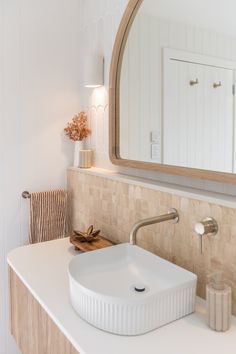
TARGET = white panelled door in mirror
x,y
177,103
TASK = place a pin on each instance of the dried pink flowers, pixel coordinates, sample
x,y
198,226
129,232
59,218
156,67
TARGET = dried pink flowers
x,y
77,129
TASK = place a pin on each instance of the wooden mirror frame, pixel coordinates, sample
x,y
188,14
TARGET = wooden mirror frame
x,y
114,112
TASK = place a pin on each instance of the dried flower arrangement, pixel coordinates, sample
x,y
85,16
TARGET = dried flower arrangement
x,y
77,130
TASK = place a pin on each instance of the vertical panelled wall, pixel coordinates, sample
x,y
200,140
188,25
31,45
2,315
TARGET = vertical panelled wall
x,y
39,93
198,120
100,22
140,89
143,76
98,30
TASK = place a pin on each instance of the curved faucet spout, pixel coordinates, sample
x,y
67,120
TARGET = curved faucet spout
x,y
171,215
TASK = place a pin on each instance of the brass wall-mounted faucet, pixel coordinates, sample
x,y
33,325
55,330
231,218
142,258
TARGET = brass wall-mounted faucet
x,y
171,215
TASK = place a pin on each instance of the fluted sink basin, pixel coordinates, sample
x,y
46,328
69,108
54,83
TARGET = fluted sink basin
x,y
128,291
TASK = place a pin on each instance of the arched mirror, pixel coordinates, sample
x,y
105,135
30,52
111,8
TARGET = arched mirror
x,y
172,88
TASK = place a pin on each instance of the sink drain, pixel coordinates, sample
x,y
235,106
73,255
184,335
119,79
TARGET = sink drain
x,y
139,288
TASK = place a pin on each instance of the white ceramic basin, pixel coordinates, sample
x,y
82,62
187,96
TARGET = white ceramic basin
x,y
126,290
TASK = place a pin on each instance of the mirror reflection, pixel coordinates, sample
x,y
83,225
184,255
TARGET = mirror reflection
x,y
177,103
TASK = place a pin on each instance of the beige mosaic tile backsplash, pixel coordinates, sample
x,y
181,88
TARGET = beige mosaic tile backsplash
x,y
114,206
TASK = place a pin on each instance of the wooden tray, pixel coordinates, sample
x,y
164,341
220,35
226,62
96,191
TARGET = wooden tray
x,y
98,243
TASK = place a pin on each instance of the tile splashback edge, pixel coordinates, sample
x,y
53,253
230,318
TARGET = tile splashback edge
x,y
187,192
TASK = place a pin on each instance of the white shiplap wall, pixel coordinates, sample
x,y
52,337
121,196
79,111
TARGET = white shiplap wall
x,y
140,89
39,84
100,22
198,121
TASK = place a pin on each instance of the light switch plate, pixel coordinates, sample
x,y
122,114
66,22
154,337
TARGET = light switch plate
x,y
156,136
155,152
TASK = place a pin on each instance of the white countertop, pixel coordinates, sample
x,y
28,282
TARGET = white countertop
x,y
43,269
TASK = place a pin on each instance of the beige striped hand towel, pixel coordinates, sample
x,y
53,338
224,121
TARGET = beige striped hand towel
x,y
47,215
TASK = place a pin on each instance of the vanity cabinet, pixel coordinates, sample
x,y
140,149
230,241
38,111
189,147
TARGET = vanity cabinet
x,y
39,275
33,329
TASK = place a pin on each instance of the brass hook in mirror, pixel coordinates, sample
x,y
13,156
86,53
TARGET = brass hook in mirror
x,y
193,82
219,84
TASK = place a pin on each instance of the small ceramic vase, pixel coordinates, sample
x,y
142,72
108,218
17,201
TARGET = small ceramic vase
x,y
79,145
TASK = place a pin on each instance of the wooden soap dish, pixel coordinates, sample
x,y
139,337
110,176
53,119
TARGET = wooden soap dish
x,y
98,243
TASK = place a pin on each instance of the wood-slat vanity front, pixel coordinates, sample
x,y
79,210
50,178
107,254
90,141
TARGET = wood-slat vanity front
x,y
34,331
